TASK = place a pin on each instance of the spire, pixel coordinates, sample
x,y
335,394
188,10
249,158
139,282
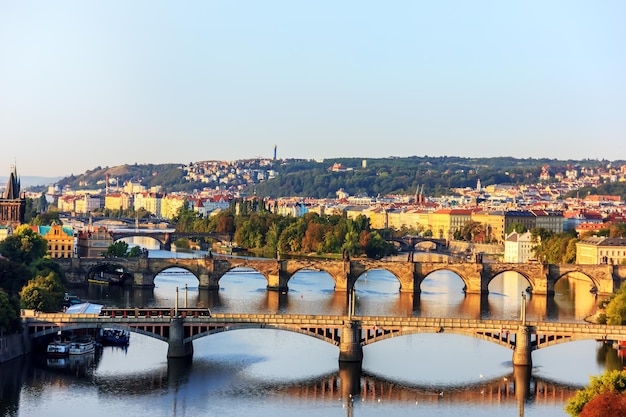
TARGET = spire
x,y
12,191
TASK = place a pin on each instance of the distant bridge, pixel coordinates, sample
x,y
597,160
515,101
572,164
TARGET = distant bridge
x,y
168,236
179,327
408,243
605,279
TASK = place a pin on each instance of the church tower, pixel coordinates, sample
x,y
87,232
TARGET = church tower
x,y
13,202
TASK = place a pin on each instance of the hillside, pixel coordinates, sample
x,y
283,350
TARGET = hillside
x,y
372,177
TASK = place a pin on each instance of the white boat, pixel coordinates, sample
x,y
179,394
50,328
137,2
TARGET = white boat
x,y
58,348
82,346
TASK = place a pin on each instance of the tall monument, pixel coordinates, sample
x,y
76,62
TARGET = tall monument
x,y
13,202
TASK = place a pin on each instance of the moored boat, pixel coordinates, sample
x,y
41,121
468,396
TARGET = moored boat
x,y
58,348
82,346
114,337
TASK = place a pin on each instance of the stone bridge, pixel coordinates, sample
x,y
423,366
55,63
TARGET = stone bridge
x,y
605,279
408,243
179,327
168,236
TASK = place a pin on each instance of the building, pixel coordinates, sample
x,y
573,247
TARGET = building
x,y
493,223
601,250
445,222
60,240
171,205
94,243
151,202
118,201
12,203
549,220
518,248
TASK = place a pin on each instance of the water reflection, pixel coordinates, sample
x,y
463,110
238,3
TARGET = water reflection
x,y
184,387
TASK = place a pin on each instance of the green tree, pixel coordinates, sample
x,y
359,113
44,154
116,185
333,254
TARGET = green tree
x,y
13,276
24,245
117,250
8,313
615,311
135,252
610,381
516,227
44,293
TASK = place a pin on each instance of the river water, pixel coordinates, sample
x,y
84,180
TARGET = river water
x,y
264,372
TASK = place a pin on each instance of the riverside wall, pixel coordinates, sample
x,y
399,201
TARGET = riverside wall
x,y
14,345
460,247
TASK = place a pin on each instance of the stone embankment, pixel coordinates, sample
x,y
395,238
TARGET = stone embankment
x,y
14,345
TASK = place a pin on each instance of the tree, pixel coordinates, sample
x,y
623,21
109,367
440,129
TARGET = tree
x,y
44,293
117,250
8,313
609,382
13,276
617,230
516,227
606,404
24,245
135,252
616,308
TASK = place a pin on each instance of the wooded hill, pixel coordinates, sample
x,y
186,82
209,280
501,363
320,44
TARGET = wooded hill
x,y
374,177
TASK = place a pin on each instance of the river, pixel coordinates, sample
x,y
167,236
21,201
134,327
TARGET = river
x,y
262,372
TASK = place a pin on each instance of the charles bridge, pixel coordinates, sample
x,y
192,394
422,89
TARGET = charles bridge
x,y
604,279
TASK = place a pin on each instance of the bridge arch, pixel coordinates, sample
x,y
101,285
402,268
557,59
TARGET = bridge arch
x,y
161,243
324,335
367,273
501,275
577,275
165,268
499,337
444,268
53,330
109,269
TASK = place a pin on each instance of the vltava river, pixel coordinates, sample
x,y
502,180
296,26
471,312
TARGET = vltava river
x,y
265,372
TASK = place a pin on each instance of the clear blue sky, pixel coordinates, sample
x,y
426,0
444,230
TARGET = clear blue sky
x,y
89,83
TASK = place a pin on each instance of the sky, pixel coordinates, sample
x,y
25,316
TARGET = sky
x,y
104,83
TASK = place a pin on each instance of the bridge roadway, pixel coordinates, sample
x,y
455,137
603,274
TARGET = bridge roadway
x,y
350,333
605,279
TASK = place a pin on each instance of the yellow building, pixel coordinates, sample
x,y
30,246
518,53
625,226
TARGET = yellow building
x,y
60,240
443,223
493,221
118,201
601,250
170,205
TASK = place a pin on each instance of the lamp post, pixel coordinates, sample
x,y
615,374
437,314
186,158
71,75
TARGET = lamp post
x,y
176,304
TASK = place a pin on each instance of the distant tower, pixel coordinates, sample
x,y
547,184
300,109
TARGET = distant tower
x,y
13,202
275,152
106,186
478,186
364,164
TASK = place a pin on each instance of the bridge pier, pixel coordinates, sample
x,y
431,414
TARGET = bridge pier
x,y
350,349
522,352
178,348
